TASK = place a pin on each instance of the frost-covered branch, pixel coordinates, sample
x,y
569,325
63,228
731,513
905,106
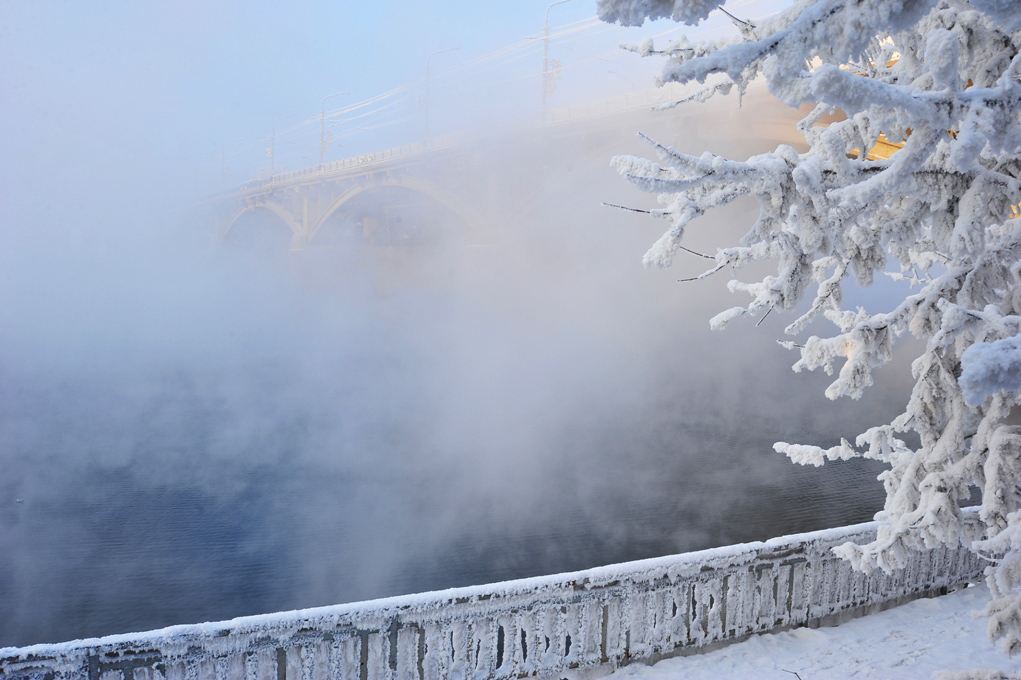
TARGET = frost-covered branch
x,y
941,79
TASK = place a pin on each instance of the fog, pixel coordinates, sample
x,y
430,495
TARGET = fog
x,y
193,429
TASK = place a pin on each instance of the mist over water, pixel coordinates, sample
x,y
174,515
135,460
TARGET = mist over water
x,y
194,431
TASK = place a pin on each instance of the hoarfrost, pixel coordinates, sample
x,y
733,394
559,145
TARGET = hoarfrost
x,y
941,79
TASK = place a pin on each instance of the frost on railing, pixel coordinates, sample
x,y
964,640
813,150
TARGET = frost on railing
x,y
542,627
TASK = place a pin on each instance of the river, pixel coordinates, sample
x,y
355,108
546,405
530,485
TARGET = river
x,y
236,433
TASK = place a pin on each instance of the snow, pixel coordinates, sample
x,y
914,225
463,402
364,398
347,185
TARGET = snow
x,y
915,640
989,367
634,12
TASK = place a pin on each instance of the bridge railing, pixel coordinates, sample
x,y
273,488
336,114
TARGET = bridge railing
x,y
363,161
603,617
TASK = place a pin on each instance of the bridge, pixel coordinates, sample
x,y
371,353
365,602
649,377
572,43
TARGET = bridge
x,y
460,186
306,200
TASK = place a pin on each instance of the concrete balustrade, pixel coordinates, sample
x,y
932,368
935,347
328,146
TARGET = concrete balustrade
x,y
578,624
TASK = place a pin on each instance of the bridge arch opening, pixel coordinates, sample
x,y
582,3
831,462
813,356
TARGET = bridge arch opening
x,y
263,227
396,213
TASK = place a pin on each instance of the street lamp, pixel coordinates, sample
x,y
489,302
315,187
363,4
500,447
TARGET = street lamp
x,y
322,119
449,49
273,143
545,51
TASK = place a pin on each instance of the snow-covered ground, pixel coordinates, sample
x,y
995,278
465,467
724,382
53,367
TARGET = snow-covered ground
x,y
915,640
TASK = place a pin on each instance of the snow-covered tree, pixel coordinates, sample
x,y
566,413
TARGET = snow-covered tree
x,y
942,79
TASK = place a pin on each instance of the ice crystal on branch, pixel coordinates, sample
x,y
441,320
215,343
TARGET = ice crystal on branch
x,y
941,82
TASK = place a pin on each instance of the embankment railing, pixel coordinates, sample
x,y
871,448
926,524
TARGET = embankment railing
x,y
548,626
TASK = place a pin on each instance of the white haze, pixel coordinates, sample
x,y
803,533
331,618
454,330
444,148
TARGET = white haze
x,y
190,430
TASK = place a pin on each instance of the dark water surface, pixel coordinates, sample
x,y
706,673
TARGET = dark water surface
x,y
344,449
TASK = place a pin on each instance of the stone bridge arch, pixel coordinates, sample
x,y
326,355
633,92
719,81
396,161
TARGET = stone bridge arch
x,y
285,215
471,220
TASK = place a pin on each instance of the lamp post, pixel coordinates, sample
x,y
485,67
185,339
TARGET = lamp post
x,y
545,52
449,49
322,120
273,143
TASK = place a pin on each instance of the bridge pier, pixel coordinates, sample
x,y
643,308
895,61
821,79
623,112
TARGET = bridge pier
x,y
299,240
